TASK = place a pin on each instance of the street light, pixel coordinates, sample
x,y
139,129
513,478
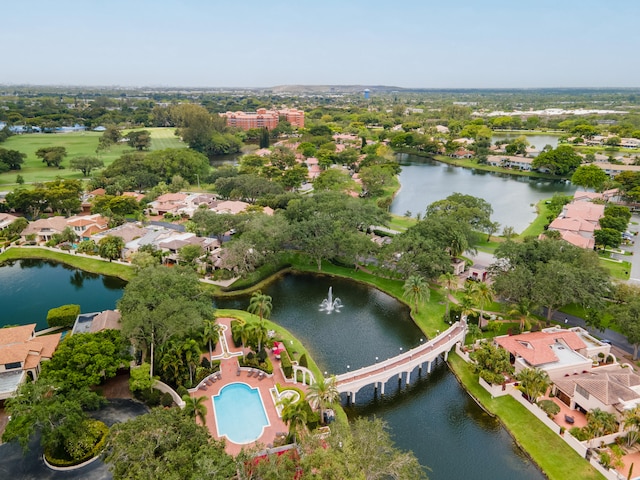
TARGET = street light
x,y
376,359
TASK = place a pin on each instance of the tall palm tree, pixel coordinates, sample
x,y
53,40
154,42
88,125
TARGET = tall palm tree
x,y
259,334
190,351
533,382
245,334
449,283
171,361
195,407
260,304
323,393
211,334
294,415
482,295
416,289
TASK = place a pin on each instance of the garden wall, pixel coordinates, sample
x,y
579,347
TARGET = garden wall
x,y
537,411
164,388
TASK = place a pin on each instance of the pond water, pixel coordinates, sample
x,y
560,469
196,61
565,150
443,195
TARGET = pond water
x,y
29,288
434,417
536,141
513,197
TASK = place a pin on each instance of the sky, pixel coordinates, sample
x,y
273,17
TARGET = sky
x,y
261,43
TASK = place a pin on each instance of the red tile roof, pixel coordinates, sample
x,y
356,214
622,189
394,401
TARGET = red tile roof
x,y
535,347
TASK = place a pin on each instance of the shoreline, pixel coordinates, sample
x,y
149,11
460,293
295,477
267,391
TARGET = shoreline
x,y
539,461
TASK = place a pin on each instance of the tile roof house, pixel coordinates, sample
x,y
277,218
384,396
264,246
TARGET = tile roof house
x,y
579,220
6,219
612,389
231,206
21,354
167,203
44,229
97,322
555,351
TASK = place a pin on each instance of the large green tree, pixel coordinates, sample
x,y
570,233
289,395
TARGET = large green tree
x,y
560,161
166,444
110,247
86,359
52,156
160,302
86,164
589,176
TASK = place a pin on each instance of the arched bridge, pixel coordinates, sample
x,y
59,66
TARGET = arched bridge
x,y
405,363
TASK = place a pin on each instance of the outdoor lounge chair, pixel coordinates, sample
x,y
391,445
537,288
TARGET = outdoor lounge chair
x,y
238,372
218,375
208,382
250,374
262,375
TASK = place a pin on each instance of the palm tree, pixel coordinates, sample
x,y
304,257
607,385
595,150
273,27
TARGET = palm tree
x,y
190,351
482,294
632,426
260,334
473,332
323,393
533,382
211,334
171,361
294,415
416,289
260,304
245,334
449,282
195,407
523,310
600,423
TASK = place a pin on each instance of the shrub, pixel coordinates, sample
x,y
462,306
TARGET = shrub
x,y
579,434
63,316
205,363
550,407
303,361
285,363
87,443
166,400
181,391
609,359
139,378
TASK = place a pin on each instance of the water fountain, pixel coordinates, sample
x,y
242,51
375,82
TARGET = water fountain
x,y
330,304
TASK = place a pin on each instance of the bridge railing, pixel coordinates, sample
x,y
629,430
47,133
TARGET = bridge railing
x,y
412,353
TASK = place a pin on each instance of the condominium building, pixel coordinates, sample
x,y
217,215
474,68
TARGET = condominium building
x,y
264,118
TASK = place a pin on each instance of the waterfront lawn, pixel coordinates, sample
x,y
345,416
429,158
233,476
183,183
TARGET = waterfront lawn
x,y
97,265
549,451
537,226
401,223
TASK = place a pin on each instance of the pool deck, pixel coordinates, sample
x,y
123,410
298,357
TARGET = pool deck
x,y
229,367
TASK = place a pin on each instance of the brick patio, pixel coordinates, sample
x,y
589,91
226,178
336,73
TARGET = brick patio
x,y
229,368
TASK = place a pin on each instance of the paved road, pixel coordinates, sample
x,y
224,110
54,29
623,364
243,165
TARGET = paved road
x,y
635,259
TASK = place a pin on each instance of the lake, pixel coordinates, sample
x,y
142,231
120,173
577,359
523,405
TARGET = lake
x,y
434,417
513,197
29,288
536,141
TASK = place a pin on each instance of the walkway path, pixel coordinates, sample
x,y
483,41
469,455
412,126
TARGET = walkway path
x,y
228,355
404,363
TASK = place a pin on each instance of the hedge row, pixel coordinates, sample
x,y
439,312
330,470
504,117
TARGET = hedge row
x,y
285,363
63,316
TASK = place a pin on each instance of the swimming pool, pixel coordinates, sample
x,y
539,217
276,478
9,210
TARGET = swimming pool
x,y
239,413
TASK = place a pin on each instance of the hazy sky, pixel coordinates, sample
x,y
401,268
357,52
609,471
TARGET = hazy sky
x,y
258,43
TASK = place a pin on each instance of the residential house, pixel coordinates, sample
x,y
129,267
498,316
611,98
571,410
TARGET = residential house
x,y
167,203
6,219
557,351
613,389
21,355
88,225
462,153
97,322
578,221
231,206
44,229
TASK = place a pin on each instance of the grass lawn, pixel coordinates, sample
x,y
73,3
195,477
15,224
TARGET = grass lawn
x,y
401,223
88,264
472,163
77,144
549,451
489,246
537,226
581,312
618,270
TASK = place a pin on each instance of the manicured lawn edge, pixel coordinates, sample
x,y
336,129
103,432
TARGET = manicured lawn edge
x,y
555,458
102,267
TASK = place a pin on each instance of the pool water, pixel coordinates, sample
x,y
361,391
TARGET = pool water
x,y
239,413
